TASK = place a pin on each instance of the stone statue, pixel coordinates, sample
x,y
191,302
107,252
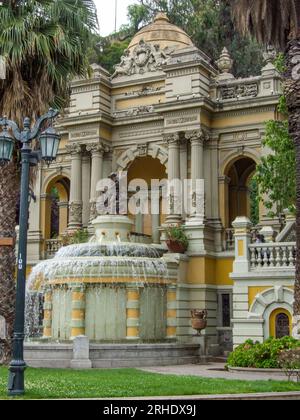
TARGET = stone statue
x,y
157,58
125,67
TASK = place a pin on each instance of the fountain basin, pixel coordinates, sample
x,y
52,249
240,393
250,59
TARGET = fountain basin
x,y
109,289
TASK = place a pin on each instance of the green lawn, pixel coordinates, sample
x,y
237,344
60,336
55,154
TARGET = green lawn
x,y
46,383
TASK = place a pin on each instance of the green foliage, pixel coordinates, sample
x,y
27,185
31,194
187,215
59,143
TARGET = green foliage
x,y
44,44
81,236
177,234
254,202
280,63
261,356
109,52
276,174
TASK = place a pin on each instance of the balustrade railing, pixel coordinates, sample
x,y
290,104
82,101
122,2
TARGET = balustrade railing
x,y
272,255
52,246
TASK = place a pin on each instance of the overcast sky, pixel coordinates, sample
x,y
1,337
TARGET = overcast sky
x,y
106,12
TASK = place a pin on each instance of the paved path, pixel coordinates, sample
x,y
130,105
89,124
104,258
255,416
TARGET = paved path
x,y
213,370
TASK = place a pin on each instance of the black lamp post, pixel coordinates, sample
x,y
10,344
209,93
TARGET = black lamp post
x,y
49,143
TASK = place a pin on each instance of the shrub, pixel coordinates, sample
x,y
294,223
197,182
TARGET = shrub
x,y
177,233
81,236
289,361
262,356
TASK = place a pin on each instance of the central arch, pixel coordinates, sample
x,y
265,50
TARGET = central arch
x,y
146,169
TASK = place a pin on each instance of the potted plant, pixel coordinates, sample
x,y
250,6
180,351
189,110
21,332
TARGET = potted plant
x,y
177,241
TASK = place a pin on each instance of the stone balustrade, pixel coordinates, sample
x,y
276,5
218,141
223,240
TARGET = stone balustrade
x,y
52,246
272,255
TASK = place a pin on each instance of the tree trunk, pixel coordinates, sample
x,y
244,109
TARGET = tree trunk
x,y
293,103
9,194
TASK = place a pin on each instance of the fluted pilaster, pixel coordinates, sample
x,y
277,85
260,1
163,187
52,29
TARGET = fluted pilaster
x,y
75,216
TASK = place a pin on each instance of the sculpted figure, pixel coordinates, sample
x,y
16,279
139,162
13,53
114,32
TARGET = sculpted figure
x,y
125,67
157,58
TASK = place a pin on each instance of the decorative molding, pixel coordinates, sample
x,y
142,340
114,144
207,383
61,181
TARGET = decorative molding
x,y
172,139
154,150
74,149
197,136
145,58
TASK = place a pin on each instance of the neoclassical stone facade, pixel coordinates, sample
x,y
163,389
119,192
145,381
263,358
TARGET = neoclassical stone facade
x,y
169,112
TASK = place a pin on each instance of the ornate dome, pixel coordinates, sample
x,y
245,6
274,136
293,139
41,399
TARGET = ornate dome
x,y
162,32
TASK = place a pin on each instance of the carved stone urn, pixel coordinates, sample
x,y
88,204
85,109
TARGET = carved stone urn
x,y
199,320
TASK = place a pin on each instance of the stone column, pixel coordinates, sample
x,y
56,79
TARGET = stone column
x,y
133,313
75,216
173,141
63,216
86,182
242,233
97,152
78,311
171,312
139,223
224,182
197,139
155,228
47,323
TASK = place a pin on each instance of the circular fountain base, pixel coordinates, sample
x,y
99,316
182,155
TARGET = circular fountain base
x,y
59,356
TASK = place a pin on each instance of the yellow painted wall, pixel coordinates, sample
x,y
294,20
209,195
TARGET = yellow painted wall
x,y
203,270
136,102
242,119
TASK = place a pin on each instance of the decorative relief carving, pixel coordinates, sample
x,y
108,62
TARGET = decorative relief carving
x,y
248,90
83,134
172,139
93,211
197,136
145,58
74,149
145,91
182,120
76,213
143,150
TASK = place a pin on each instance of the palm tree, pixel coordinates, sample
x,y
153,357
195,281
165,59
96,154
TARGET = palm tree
x,y
277,23
44,44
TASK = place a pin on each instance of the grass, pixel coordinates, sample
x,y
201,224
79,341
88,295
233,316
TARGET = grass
x,y
64,384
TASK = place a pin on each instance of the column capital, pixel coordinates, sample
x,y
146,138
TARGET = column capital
x,y
96,148
197,136
74,149
172,139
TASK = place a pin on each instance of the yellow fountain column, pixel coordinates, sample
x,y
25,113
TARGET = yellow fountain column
x,y
47,324
133,313
78,312
171,312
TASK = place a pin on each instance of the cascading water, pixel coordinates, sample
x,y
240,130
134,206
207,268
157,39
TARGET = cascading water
x,y
105,268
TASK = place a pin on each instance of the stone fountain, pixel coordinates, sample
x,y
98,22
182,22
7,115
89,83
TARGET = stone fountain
x,y
119,294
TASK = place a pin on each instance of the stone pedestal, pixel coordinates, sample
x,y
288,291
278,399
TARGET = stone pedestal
x,y
81,353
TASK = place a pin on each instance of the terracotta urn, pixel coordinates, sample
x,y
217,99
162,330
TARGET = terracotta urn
x,y
199,320
176,247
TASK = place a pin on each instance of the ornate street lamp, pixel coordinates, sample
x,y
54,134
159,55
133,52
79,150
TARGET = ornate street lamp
x,y
49,141
6,146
